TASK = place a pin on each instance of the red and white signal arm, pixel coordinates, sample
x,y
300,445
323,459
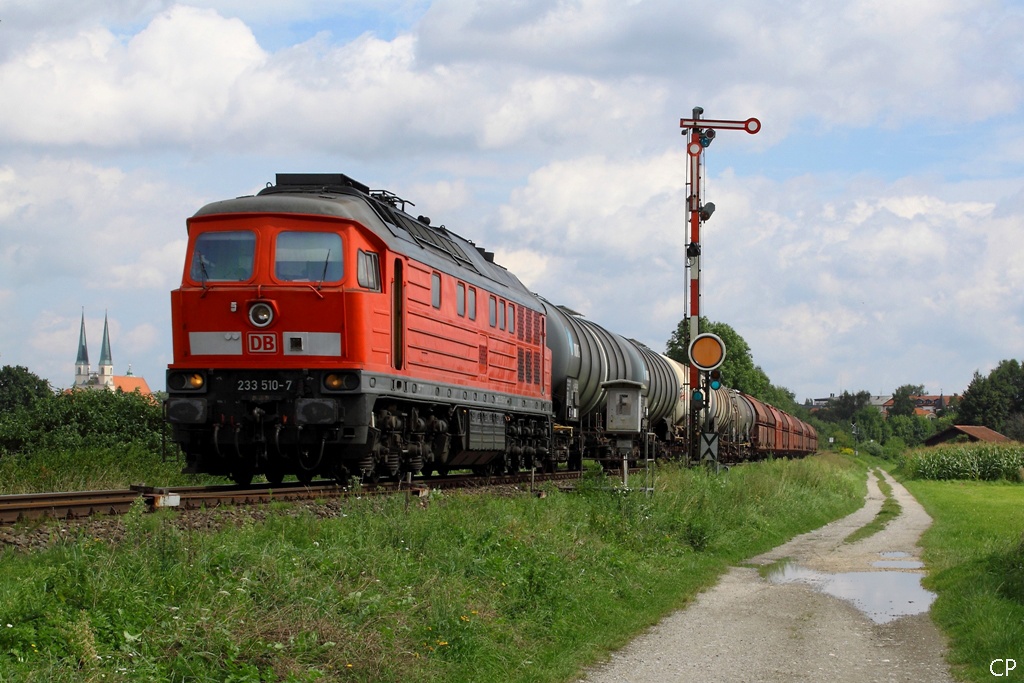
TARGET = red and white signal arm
x,y
707,351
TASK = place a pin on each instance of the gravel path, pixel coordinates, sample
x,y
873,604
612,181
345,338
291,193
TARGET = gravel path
x,y
748,628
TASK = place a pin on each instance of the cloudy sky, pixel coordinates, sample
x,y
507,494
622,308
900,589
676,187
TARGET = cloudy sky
x,y
871,235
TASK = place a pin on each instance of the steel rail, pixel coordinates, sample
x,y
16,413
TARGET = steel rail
x,y
73,505
29,506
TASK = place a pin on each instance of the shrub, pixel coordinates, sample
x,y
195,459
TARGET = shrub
x,y
80,419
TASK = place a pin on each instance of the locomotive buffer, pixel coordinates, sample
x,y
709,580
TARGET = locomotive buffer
x,y
701,132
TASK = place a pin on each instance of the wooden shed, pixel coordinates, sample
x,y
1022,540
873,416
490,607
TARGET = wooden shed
x,y
972,432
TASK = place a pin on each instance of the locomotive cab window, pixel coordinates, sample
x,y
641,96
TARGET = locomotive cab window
x,y
308,257
223,256
368,270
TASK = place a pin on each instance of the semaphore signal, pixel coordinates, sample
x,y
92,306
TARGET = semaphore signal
x,y
700,133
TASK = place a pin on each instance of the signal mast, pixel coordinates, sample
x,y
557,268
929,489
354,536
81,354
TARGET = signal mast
x,y
706,351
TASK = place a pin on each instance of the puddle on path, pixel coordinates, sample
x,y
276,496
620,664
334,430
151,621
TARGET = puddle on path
x,y
883,596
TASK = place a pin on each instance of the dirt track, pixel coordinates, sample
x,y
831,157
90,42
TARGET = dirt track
x,y
748,628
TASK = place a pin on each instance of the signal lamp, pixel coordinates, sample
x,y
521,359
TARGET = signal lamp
x,y
692,249
697,399
706,137
715,379
707,210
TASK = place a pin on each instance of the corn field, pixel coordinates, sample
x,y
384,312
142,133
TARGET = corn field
x,y
974,461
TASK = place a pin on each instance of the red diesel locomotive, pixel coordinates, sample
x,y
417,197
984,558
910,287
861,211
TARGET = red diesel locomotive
x,y
321,329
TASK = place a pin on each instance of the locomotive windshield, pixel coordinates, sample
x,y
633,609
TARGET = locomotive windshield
x,y
308,257
223,256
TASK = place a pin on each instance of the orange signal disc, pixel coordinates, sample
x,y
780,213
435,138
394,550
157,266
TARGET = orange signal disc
x,y
707,351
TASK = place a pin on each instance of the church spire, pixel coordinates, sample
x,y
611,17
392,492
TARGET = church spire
x,y
82,364
83,351
106,361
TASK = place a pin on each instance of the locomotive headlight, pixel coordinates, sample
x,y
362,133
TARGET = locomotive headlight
x,y
341,381
186,381
261,314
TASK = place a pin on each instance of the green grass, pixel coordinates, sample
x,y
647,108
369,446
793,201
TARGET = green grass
x,y
975,556
889,511
94,468
460,587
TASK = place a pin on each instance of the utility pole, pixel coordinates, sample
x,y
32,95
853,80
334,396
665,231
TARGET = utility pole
x,y
700,132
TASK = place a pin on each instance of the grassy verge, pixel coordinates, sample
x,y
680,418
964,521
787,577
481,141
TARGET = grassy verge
x,y
460,587
92,469
889,511
975,556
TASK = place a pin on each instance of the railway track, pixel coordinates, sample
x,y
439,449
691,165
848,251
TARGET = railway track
x,y
79,504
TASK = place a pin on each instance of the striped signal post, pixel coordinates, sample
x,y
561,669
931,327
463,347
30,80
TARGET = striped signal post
x,y
700,132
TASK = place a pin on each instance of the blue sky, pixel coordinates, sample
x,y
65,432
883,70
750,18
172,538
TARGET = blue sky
x,y
870,235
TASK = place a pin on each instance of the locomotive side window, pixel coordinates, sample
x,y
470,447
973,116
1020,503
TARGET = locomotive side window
x,y
435,290
223,256
492,310
368,270
308,257
460,299
501,315
472,303
511,319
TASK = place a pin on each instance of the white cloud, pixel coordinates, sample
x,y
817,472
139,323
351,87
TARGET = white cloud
x,y
878,244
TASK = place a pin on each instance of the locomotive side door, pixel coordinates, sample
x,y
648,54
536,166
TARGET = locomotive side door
x,y
398,317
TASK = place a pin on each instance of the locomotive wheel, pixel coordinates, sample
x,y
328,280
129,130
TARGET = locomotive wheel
x,y
243,474
274,474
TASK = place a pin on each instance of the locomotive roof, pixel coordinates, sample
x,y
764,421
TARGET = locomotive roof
x,y
335,194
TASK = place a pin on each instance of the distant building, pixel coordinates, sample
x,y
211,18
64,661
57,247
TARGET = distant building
x,y
970,432
926,406
104,377
877,402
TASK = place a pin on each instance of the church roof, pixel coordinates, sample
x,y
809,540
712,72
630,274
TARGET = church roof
x,y
130,383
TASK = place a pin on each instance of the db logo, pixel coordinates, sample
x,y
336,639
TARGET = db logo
x,y
262,342
1002,667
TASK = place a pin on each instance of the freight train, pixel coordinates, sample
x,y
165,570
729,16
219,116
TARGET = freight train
x,y
321,329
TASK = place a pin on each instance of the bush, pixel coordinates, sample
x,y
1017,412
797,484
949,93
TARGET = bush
x,y
872,448
81,419
975,461
894,448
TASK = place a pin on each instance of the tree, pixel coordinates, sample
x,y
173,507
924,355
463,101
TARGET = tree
x,y
911,429
738,369
20,388
991,401
902,403
844,407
